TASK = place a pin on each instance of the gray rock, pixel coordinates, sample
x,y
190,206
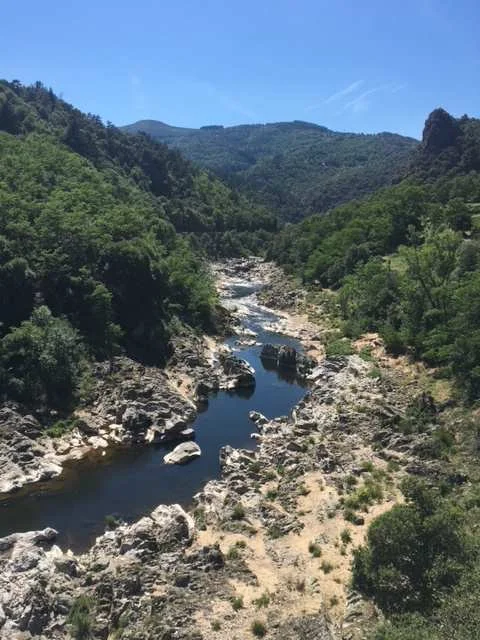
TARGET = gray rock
x,y
258,418
183,453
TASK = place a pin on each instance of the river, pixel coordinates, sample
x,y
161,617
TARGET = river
x,y
129,482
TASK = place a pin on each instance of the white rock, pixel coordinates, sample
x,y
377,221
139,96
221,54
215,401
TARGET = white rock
x,y
97,442
183,453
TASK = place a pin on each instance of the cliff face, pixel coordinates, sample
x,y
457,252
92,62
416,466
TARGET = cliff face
x,y
441,131
450,146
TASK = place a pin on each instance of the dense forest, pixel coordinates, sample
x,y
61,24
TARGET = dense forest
x,y
100,242
294,168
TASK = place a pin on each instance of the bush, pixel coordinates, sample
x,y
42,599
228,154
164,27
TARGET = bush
x,y
233,553
414,552
80,618
263,600
326,566
341,347
315,549
60,428
44,358
112,522
237,603
259,629
346,536
238,512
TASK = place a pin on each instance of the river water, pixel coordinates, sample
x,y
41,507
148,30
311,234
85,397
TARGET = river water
x,y
131,481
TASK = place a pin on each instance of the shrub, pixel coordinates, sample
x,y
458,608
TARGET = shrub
x,y
271,494
111,521
237,603
259,629
263,600
60,428
346,536
238,511
375,373
216,626
80,618
326,566
342,347
303,490
315,549
413,552
233,553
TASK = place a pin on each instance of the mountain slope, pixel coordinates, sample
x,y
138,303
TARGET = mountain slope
x,y
96,235
407,259
295,168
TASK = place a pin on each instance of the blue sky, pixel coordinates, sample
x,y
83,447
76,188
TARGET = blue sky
x,y
351,65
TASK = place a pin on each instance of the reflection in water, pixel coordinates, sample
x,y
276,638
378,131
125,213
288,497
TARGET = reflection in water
x,y
131,481
288,375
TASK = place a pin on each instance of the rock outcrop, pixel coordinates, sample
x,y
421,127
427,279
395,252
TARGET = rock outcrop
x,y
285,357
132,404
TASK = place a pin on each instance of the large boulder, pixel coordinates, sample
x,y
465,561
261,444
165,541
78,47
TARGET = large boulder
x,y
239,373
286,357
183,453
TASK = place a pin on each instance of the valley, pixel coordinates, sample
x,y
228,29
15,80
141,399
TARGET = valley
x,y
293,316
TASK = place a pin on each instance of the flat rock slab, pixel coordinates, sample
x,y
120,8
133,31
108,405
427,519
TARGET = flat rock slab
x,y
183,453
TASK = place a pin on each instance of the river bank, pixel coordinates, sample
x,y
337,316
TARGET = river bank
x,y
271,540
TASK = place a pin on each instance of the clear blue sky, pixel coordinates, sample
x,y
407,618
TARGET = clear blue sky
x,y
352,65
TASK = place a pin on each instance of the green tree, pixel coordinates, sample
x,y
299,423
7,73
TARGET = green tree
x,y
43,360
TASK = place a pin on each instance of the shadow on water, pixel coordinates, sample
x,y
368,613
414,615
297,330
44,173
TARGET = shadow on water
x,y
131,481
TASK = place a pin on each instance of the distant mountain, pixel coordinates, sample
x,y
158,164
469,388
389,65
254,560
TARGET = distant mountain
x,y
295,168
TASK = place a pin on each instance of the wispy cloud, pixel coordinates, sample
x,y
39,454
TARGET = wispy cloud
x,y
344,92
338,95
362,102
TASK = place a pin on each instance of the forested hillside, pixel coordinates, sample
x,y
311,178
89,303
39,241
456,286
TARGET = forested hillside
x,y
95,250
407,259
406,264
294,168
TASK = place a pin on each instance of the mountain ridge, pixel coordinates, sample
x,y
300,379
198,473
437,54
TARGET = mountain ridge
x,y
294,168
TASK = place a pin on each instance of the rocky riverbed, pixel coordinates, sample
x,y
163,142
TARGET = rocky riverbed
x,y
132,404
270,542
